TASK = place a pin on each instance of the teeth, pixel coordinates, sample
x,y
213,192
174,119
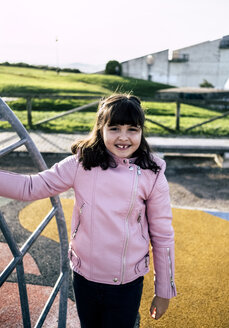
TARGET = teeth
x,y
122,146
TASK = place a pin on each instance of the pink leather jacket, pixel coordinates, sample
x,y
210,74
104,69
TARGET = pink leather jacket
x,y
116,214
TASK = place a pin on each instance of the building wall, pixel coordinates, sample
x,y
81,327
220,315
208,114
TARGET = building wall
x,y
204,63
189,67
223,75
138,67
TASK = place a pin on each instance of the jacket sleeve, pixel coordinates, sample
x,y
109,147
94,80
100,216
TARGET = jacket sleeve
x,y
45,184
159,215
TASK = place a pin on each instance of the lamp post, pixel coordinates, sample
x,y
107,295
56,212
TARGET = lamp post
x,y
57,56
149,62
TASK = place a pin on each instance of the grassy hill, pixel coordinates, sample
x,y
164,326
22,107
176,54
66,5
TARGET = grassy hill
x,y
27,80
16,81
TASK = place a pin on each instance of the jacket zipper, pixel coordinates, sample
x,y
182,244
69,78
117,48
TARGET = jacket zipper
x,y
75,231
139,220
77,227
71,253
126,221
170,268
145,259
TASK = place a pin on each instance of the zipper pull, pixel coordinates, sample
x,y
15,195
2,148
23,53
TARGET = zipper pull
x,y
81,208
139,170
75,231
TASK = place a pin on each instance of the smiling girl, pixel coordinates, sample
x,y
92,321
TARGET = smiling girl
x,y
122,205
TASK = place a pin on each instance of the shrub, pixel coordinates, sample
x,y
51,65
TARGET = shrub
x,y
206,84
44,67
113,67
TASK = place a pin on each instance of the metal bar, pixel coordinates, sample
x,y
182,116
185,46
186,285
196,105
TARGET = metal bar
x,y
9,269
64,265
161,125
12,147
13,247
50,301
23,295
57,211
2,117
63,303
208,121
18,254
22,133
38,231
77,109
61,225
16,262
9,237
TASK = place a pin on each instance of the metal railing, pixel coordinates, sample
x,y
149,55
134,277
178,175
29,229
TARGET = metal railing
x,y
61,284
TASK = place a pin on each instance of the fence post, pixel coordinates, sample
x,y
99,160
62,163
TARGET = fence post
x,y
29,111
178,115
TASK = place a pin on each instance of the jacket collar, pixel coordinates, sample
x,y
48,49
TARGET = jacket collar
x,y
124,161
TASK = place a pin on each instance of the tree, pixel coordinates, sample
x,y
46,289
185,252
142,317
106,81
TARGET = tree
x,y
113,67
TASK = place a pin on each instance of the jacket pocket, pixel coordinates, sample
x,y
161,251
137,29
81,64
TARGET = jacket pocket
x,y
139,220
78,224
142,265
74,258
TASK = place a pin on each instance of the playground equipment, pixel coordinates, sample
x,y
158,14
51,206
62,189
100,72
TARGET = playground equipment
x,y
61,285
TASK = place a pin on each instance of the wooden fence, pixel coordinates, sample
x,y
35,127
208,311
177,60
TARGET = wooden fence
x,y
167,97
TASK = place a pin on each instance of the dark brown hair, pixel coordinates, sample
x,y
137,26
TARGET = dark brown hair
x,y
116,109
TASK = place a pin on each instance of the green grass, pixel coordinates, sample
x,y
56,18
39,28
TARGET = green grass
x,y
83,121
14,80
164,113
27,80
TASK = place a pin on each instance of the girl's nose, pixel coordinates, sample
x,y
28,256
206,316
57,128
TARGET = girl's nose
x,y
123,136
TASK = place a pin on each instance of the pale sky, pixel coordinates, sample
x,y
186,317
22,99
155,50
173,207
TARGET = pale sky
x,y
96,31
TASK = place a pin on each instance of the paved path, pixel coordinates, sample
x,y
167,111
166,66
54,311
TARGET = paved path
x,y
61,143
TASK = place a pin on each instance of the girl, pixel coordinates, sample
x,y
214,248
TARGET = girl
x,y
122,204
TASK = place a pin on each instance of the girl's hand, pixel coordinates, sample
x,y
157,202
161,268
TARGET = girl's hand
x,y
158,307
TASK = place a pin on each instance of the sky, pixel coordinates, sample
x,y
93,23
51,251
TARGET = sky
x,y
61,32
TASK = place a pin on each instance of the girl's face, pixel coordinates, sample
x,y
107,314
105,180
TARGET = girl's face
x,y
122,140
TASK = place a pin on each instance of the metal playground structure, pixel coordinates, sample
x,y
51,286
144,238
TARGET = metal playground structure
x,y
61,285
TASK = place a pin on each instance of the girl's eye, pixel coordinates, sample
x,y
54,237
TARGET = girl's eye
x,y
134,129
113,128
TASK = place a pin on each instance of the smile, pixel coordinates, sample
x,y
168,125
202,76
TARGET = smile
x,y
122,146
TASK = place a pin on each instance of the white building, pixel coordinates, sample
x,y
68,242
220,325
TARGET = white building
x,y
189,66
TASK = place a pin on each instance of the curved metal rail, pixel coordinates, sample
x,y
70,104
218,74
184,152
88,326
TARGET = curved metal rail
x,y
61,285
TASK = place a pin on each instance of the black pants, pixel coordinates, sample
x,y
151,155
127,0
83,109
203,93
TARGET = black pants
x,y
107,306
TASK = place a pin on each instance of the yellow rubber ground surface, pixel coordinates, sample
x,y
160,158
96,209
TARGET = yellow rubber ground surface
x,y
202,267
